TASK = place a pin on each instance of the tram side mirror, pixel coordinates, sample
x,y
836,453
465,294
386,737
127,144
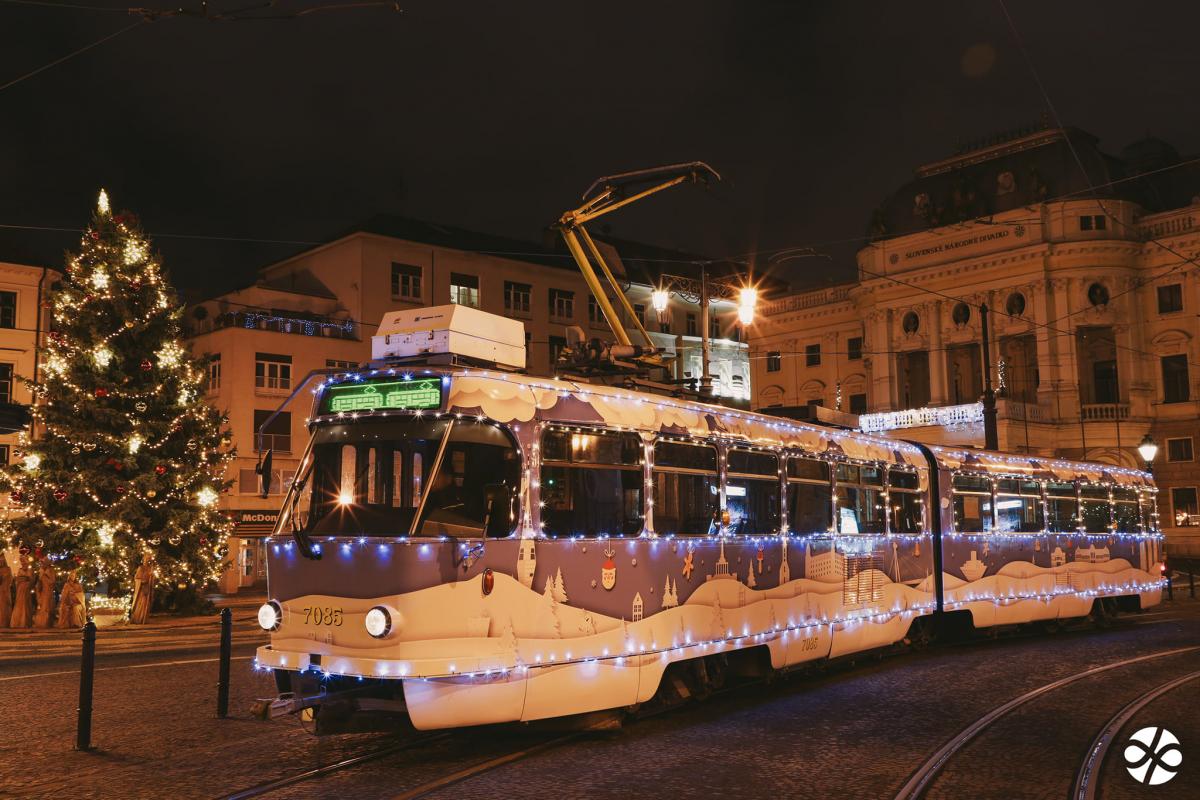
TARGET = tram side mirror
x,y
498,503
264,473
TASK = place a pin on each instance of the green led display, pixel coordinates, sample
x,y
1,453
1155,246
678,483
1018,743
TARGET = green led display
x,y
421,393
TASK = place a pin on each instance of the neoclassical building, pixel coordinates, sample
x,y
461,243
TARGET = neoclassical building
x,y
1094,309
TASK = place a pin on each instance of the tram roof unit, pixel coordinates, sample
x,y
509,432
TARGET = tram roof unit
x,y
1024,465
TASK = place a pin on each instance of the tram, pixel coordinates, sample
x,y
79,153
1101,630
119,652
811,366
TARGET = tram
x,y
467,545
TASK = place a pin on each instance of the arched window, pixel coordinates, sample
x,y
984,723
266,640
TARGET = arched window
x,y
911,322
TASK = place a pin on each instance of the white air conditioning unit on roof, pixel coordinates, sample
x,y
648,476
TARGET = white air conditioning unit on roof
x,y
443,332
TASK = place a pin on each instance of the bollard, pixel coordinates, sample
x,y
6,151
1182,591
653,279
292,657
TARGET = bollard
x,y
87,671
223,672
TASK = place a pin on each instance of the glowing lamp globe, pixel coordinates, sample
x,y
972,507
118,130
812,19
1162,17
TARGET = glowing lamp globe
x,y
658,299
1148,448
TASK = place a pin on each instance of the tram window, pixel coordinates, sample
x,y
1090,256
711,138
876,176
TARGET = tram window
x,y
809,469
1148,508
859,504
907,508
810,496
1097,516
686,488
972,504
591,483
685,456
1061,507
1126,509
752,492
1019,506
367,478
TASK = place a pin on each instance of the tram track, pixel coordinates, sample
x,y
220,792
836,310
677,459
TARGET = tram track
x,y
923,777
1087,779
337,766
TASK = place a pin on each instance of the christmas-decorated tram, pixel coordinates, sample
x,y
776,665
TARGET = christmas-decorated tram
x,y
469,546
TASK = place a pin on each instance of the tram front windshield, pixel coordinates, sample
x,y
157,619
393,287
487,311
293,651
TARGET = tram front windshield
x,y
373,477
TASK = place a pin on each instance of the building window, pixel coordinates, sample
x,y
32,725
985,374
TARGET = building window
x,y
6,383
639,313
1097,294
333,363
464,289
854,348
272,371
557,343
406,281
1170,298
812,355
278,435
714,327
1179,449
562,304
911,323
3,454
1090,222
248,481
690,325
1015,304
961,314
858,404
1184,509
516,297
595,315
213,382
774,361
1175,379
8,309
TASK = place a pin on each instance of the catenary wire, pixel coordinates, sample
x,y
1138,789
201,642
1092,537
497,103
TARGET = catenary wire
x,y
72,54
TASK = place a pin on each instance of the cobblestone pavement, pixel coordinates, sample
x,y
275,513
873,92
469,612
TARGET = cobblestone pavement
x,y
849,732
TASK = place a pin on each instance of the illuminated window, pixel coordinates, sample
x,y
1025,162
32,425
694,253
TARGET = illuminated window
x,y
687,488
213,378
810,495
752,492
591,483
464,289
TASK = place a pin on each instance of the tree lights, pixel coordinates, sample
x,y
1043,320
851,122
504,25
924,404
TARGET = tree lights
x,y
121,460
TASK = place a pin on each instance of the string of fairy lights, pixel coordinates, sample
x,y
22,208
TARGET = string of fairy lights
x,y
165,447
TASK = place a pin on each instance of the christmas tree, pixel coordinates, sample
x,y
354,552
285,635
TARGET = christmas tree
x,y
123,458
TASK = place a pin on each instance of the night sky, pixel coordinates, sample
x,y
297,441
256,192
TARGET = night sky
x,y
496,116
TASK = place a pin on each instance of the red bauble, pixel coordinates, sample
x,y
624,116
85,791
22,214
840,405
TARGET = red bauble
x,y
78,559
203,541
160,469
135,285
146,365
17,497
94,234
102,392
120,489
60,494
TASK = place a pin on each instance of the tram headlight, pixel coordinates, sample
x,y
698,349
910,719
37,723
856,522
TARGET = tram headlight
x,y
270,615
378,622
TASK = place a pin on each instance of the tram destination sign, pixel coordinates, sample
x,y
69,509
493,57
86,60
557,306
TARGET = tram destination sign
x,y
418,393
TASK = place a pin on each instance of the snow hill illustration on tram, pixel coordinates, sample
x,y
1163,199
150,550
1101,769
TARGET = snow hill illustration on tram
x,y
466,544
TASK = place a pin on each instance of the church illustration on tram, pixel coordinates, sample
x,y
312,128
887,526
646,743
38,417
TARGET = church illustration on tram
x,y
468,544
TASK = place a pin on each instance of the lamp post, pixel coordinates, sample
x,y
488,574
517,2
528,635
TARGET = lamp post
x,y
702,292
1148,449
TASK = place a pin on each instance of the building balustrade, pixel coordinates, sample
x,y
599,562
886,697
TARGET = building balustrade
x,y
1104,411
278,321
807,300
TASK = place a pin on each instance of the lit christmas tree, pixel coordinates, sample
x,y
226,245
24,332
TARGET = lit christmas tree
x,y
125,459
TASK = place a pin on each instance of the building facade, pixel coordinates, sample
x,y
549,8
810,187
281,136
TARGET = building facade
x,y
319,309
1093,298
23,324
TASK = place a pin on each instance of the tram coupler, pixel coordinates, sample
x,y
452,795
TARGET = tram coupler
x,y
282,705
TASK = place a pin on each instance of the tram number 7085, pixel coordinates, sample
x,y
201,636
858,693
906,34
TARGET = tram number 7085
x,y
323,615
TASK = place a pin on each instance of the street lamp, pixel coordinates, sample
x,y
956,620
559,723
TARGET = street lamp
x,y
703,291
1148,449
